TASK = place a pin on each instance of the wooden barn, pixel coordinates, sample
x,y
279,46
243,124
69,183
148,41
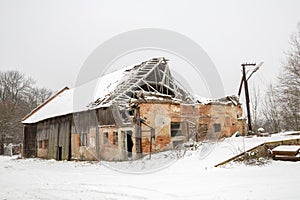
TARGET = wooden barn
x,y
134,111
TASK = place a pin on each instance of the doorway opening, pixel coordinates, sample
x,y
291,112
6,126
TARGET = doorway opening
x,y
129,144
59,153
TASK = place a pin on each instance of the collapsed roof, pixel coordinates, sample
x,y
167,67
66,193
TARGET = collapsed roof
x,y
151,76
120,87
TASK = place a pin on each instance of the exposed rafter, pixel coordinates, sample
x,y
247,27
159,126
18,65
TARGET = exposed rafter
x,y
151,76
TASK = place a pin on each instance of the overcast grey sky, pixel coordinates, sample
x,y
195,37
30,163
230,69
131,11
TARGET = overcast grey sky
x,y
50,40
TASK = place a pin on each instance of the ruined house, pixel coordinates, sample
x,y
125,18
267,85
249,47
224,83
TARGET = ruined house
x,y
135,111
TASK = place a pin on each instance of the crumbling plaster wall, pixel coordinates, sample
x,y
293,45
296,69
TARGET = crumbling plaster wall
x,y
159,116
110,149
228,116
222,120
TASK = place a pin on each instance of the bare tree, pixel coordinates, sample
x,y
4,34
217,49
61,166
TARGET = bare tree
x,y
14,86
37,96
289,85
18,96
281,106
271,110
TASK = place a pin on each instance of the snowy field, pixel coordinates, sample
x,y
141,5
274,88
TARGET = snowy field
x,y
191,177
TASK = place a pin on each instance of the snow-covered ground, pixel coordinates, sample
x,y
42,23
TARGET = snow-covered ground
x,y
191,177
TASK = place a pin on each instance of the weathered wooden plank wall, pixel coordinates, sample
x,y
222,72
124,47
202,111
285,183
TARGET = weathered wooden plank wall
x,y
29,143
63,138
57,132
52,147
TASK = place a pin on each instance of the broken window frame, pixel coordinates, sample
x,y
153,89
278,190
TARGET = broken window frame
x,y
43,144
105,137
115,138
176,131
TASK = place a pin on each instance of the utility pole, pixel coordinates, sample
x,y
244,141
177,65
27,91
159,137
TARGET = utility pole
x,y
245,80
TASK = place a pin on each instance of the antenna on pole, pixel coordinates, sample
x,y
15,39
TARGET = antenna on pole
x,y
255,69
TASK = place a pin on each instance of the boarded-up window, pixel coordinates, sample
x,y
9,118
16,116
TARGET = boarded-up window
x,y
115,140
176,129
105,137
217,127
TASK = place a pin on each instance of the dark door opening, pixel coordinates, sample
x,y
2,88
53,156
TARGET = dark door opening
x,y
59,153
129,143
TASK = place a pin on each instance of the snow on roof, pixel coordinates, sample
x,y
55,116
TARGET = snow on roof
x,y
108,83
78,99
60,105
44,103
287,148
202,100
225,100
